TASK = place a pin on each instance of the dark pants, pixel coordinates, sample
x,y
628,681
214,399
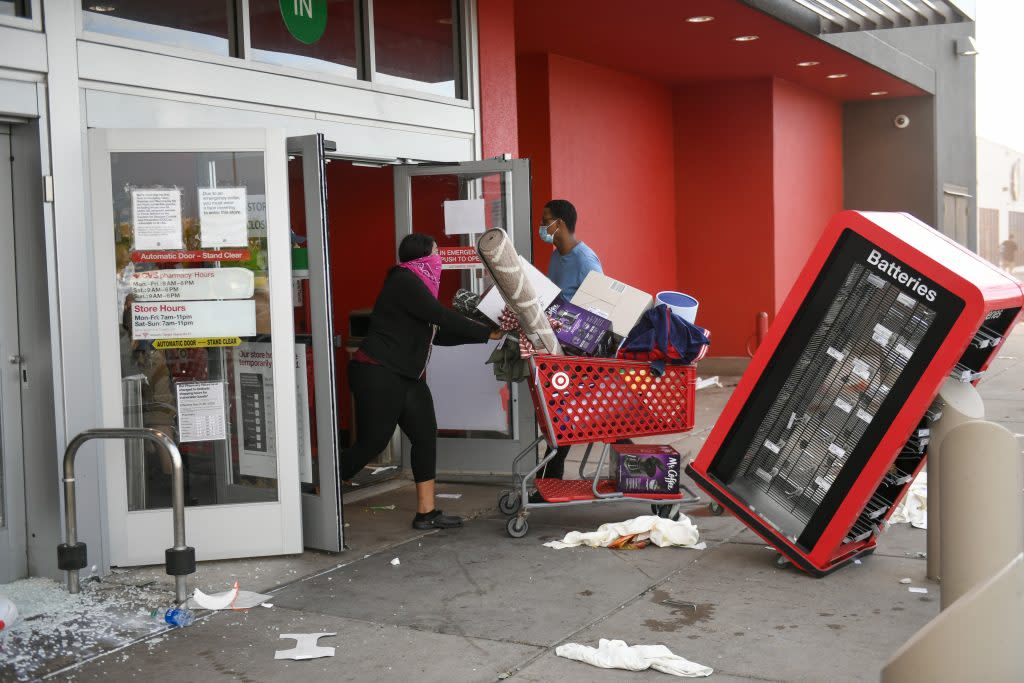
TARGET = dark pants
x,y
384,399
556,468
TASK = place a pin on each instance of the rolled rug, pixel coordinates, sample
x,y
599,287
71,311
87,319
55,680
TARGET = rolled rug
x,y
500,258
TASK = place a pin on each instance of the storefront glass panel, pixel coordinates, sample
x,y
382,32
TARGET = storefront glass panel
x,y
194,325
415,46
332,51
192,24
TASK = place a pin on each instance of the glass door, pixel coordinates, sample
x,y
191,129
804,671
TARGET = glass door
x,y
482,423
193,291
13,559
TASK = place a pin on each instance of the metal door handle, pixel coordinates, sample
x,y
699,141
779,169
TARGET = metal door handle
x,y
15,359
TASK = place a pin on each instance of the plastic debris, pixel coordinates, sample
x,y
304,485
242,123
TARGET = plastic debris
x,y
381,507
305,646
453,496
395,562
905,581
857,562
705,382
266,604
8,613
917,589
216,601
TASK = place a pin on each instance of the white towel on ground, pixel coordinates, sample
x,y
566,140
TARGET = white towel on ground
x,y
616,654
663,532
914,506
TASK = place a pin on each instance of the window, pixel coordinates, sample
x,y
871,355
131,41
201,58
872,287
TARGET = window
x,y
16,8
194,24
414,45
334,50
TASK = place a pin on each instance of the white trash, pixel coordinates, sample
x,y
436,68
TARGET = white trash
x,y
8,613
683,305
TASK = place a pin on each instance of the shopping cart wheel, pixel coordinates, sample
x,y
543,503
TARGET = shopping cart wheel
x,y
517,527
508,503
781,561
666,511
716,509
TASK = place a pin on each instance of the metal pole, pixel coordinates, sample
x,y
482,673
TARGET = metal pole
x,y
72,555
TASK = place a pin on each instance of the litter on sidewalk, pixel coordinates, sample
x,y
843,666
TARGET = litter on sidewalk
x,y
616,654
705,382
305,646
660,531
232,599
395,562
452,496
913,509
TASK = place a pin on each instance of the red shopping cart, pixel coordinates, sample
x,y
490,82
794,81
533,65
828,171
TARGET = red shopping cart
x,y
597,400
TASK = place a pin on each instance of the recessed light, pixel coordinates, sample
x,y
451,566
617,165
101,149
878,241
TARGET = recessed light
x,y
702,19
876,93
745,39
809,63
837,75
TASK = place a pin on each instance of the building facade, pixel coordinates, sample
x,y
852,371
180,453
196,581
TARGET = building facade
x,y
1000,198
203,198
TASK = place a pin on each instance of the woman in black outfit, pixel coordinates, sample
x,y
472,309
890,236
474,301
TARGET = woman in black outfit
x,y
386,375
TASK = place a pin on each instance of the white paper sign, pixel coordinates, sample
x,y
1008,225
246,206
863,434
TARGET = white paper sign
x,y
222,217
156,219
189,319
464,217
193,284
254,410
201,415
256,207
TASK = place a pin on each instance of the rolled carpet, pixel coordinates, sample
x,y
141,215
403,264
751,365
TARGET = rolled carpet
x,y
500,257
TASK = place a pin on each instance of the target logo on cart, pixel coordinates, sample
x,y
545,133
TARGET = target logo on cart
x,y
560,380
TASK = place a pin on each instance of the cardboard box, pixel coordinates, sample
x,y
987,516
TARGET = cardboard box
x,y
493,303
618,302
640,468
582,332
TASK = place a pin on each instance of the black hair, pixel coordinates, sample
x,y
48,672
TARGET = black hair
x,y
414,246
563,210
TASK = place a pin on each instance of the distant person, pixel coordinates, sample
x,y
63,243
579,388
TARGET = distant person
x,y
570,264
387,374
1008,254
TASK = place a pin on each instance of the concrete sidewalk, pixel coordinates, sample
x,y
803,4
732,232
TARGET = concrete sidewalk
x,y
475,605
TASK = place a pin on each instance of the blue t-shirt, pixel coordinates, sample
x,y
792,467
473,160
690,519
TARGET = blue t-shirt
x,y
569,271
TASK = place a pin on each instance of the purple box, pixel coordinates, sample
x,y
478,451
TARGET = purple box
x,y
581,332
643,468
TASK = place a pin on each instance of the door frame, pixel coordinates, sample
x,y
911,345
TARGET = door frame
x,y
13,536
491,458
216,531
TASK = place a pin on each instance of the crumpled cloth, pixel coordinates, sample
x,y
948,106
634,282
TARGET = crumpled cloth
x,y
914,506
662,532
509,323
616,654
509,365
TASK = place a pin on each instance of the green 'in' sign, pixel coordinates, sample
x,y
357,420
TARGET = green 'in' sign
x,y
306,19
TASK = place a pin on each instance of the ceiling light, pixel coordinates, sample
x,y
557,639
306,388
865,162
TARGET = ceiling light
x,y
102,8
745,39
966,46
810,63
702,19
876,93
837,75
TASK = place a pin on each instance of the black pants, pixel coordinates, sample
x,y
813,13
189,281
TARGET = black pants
x,y
384,399
556,468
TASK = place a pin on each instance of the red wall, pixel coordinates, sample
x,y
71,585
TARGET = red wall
x,y
498,105
603,140
723,143
808,181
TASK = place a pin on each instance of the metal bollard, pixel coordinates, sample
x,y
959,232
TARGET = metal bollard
x,y
180,560
961,403
982,508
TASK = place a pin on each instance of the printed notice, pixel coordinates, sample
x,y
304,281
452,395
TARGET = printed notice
x,y
156,219
201,414
464,217
193,319
193,284
222,217
254,408
256,208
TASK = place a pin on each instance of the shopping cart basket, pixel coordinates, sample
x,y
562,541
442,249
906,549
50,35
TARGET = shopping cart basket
x,y
597,400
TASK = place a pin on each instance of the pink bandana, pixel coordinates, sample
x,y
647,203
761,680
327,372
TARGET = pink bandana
x,y
427,269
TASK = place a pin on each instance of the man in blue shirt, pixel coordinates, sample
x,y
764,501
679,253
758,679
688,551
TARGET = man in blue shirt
x,y
570,264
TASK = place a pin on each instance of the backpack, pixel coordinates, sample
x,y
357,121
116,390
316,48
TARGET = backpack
x,y
665,339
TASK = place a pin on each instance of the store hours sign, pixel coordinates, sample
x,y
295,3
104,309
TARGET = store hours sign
x,y
306,20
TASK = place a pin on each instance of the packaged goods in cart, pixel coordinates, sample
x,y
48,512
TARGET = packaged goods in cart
x,y
646,469
618,302
580,331
493,303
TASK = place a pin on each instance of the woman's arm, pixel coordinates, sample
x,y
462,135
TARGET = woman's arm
x,y
453,328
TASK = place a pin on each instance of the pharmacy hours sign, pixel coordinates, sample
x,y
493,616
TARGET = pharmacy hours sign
x,y
306,19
